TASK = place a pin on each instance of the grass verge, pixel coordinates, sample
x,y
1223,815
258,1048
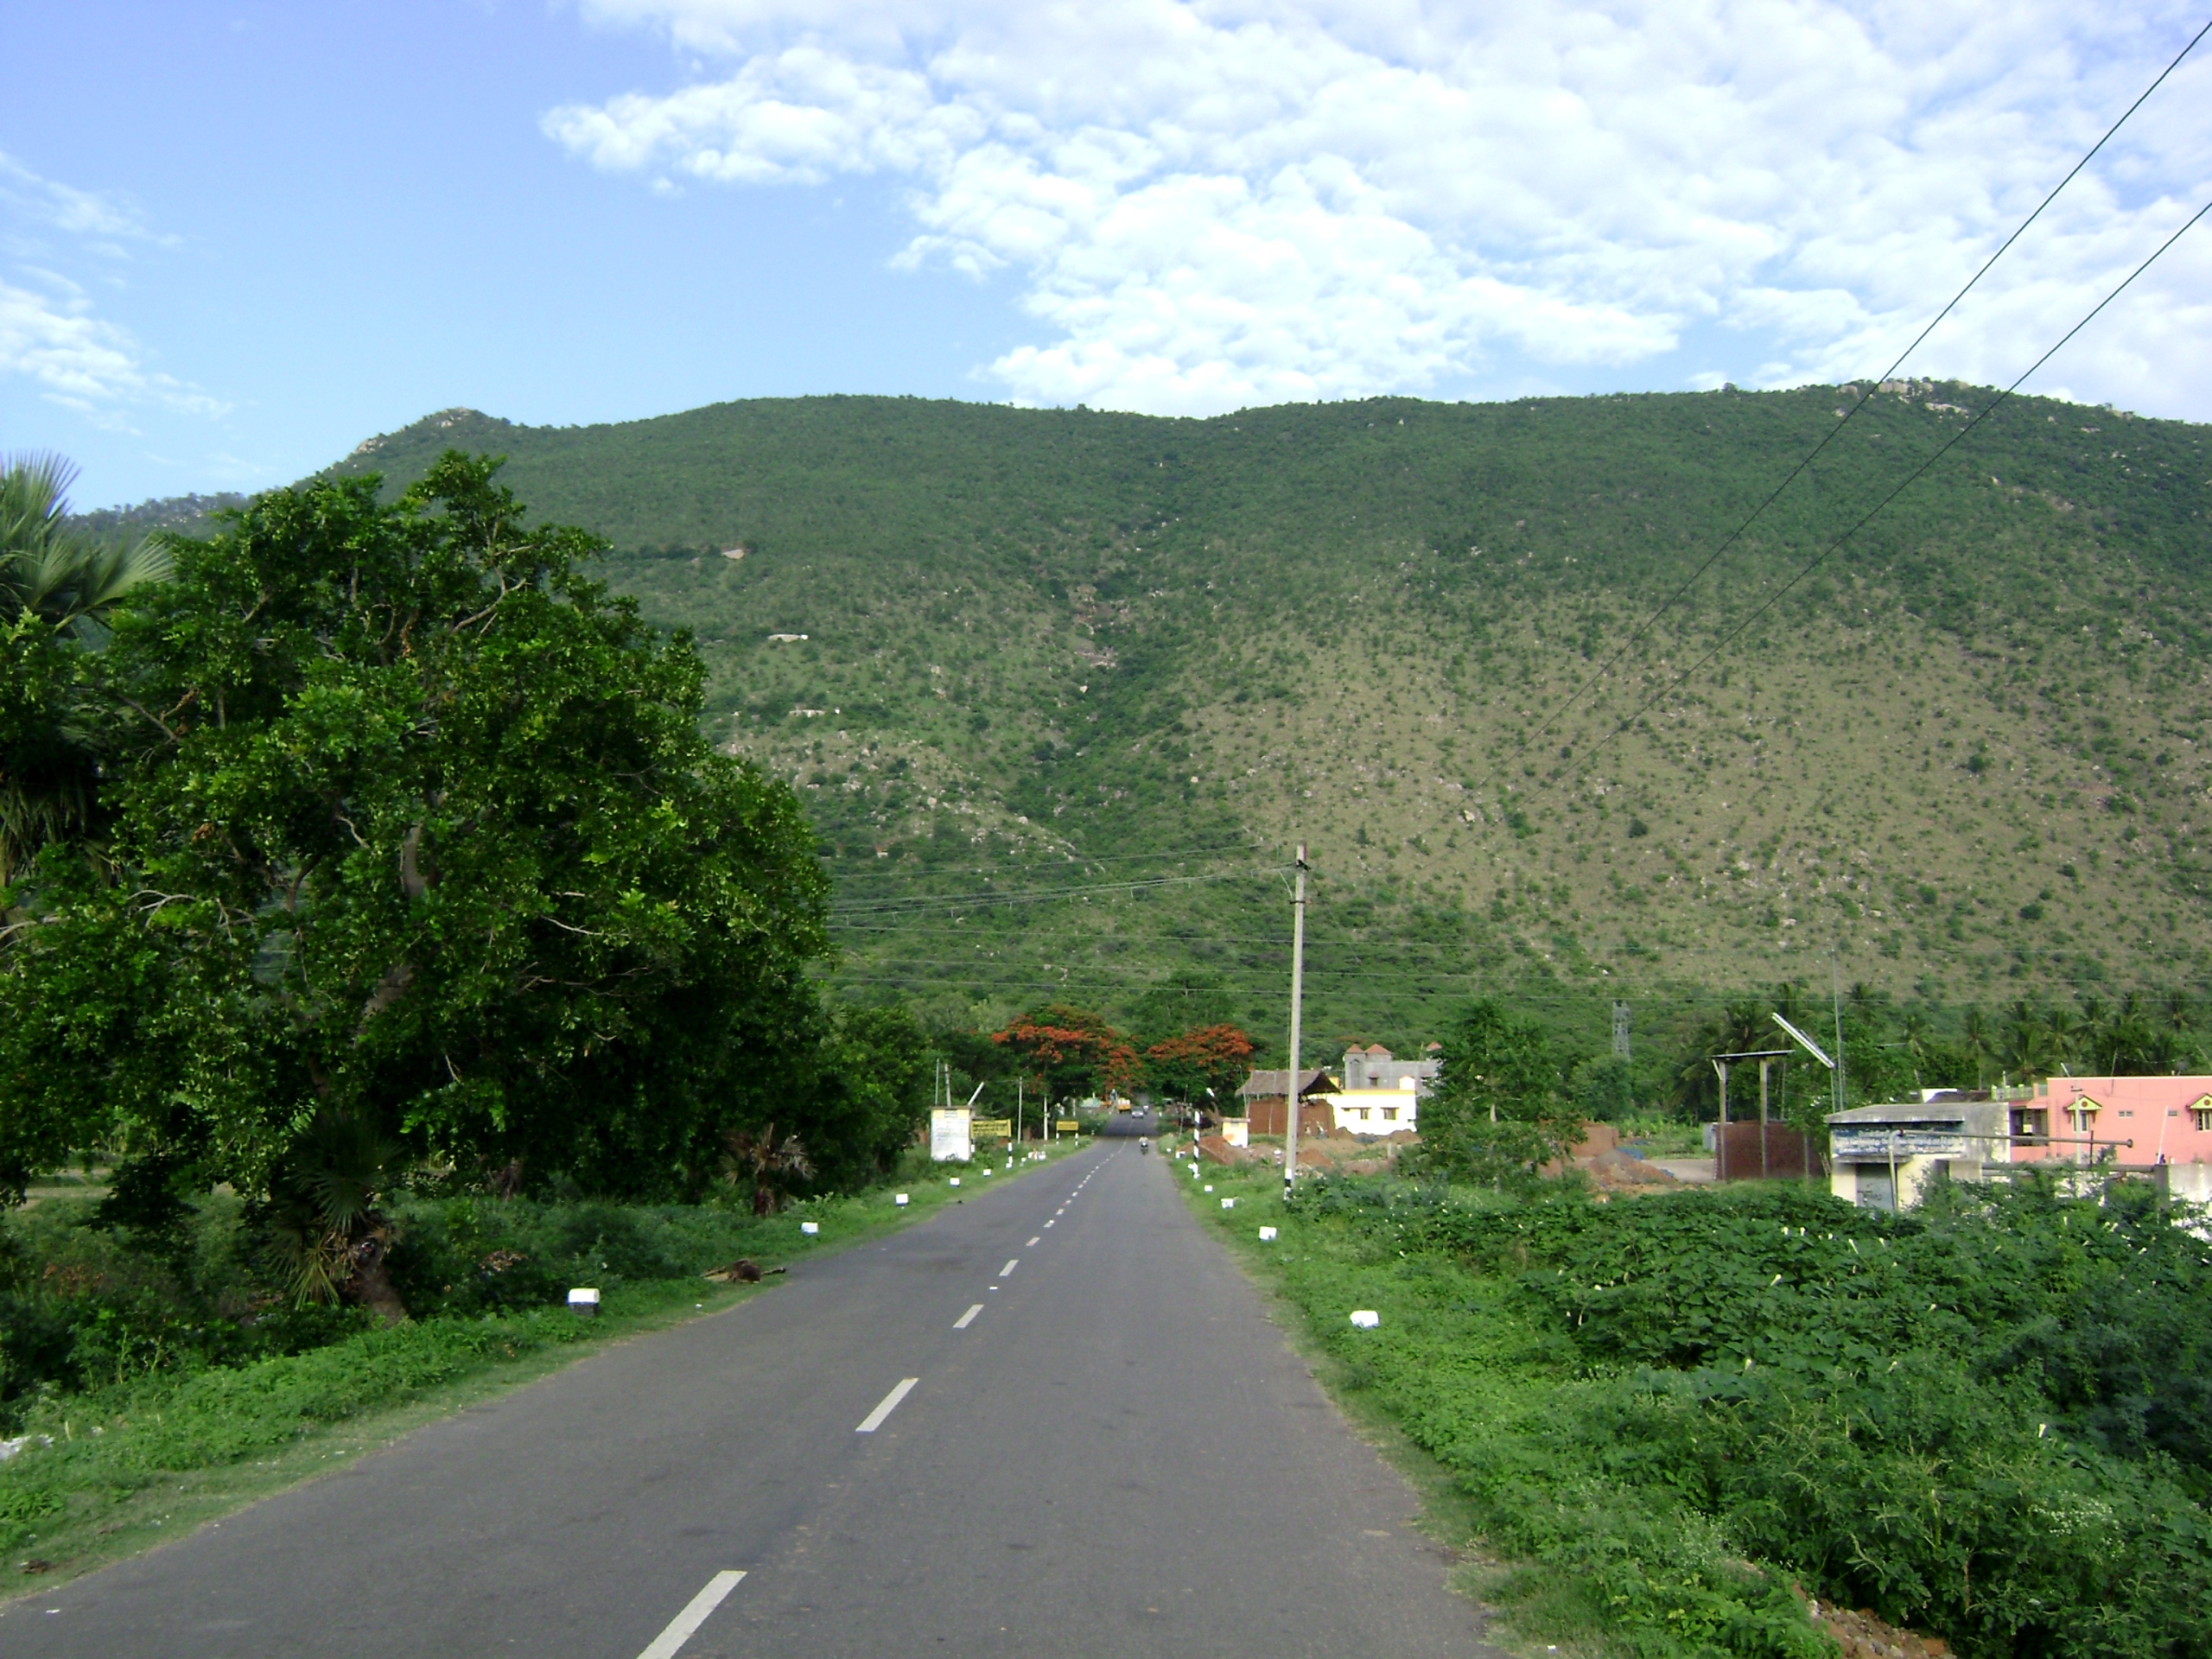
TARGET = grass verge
x,y
106,1473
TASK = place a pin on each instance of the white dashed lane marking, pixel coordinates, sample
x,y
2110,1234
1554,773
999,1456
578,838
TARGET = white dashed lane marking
x,y
680,1628
874,1420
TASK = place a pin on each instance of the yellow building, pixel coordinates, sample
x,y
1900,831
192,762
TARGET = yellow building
x,y
1380,1095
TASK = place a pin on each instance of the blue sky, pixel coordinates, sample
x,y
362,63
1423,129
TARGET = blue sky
x,y
237,239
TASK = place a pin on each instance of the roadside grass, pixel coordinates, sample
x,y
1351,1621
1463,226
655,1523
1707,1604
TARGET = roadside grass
x,y
1662,1425
137,1462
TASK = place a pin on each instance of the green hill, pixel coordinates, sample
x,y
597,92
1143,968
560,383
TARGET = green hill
x,y
1043,650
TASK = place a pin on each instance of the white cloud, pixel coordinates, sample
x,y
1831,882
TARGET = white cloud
x,y
1234,201
78,213
49,332
82,362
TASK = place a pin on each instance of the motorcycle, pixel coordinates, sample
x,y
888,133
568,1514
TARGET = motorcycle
x,y
1144,1143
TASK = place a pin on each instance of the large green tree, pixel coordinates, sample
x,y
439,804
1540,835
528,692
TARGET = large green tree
x,y
412,826
1500,1109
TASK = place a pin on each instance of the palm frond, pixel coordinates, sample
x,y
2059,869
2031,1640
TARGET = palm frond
x,y
52,569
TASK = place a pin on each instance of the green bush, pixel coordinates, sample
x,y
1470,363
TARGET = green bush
x,y
465,1256
85,1306
1984,1420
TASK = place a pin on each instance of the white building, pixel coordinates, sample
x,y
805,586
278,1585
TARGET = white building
x,y
1881,1157
1380,1095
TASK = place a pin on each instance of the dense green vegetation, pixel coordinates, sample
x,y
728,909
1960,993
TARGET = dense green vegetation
x,y
367,847
1987,1419
1064,650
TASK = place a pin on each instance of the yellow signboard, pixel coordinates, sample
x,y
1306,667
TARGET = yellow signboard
x,y
1066,1126
1003,1127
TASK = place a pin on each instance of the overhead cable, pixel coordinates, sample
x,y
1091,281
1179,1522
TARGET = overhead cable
x,y
921,903
1821,557
1737,534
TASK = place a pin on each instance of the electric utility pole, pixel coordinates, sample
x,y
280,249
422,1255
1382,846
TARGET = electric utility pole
x,y
1297,992
1835,971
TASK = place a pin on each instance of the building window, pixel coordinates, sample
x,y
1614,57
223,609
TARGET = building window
x,y
2202,1113
2031,1123
1389,1114
2084,1115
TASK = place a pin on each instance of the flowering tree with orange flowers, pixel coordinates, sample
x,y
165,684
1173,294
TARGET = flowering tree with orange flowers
x,y
1075,1050
1218,1057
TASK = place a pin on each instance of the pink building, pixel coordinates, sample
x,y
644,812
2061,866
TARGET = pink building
x,y
1882,1156
2135,1122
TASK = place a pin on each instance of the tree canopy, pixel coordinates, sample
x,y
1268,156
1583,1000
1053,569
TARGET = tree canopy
x,y
1500,1107
1208,1058
412,823
1075,1050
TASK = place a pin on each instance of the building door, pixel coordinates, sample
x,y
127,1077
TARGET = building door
x,y
1874,1188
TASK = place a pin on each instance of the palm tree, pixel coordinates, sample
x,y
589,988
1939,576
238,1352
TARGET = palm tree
x,y
1919,1044
1980,1046
52,569
2029,1050
2069,1039
57,588
322,1224
770,1166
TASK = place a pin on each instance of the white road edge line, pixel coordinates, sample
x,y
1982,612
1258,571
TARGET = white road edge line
x,y
967,1318
681,1627
1009,1267
874,1420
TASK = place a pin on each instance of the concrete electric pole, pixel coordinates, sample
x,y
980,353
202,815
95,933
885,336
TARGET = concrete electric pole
x,y
1297,993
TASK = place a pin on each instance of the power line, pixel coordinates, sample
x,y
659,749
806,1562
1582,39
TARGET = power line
x,y
1171,856
922,903
1829,437
1821,557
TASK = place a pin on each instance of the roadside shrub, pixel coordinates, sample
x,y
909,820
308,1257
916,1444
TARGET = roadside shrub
x,y
84,1306
472,1255
1985,1419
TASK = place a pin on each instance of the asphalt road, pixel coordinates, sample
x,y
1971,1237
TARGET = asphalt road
x,y
1049,1421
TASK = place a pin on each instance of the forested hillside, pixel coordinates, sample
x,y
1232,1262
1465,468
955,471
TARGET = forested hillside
x,y
1007,652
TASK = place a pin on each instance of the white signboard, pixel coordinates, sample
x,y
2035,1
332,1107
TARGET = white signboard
x,y
1237,1131
1868,1143
949,1141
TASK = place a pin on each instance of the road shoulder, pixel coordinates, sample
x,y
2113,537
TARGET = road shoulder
x,y
1443,1515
